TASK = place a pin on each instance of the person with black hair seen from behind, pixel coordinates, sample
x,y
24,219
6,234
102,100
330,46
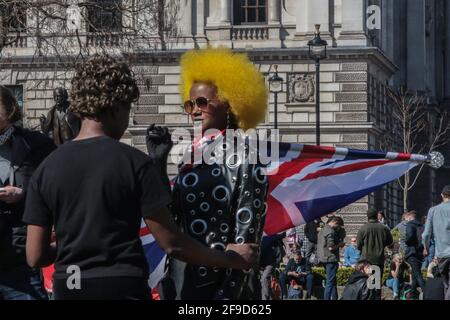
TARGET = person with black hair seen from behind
x,y
401,228
97,209
414,250
372,239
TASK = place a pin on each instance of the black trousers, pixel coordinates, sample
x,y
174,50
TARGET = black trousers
x,y
416,273
113,288
283,285
444,269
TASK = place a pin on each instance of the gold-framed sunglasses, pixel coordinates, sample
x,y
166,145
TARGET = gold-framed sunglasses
x,y
201,102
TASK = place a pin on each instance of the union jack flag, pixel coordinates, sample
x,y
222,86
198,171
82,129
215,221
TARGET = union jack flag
x,y
310,182
313,181
155,256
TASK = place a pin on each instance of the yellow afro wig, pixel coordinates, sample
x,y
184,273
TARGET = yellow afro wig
x,y
237,81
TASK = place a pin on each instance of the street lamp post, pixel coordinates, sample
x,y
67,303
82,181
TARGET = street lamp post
x,y
317,52
275,87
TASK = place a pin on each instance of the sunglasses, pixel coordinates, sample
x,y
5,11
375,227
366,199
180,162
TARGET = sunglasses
x,y
201,102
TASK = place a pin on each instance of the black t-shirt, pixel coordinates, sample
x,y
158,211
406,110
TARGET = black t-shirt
x,y
95,192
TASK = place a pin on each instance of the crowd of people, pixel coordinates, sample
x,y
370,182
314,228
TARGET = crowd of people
x,y
78,199
422,248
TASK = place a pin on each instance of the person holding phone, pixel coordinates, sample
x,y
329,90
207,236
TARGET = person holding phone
x,y
299,275
21,152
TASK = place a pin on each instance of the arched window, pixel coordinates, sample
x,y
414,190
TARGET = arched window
x,y
249,12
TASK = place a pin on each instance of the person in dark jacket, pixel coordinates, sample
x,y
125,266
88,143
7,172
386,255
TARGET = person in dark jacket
x,y
328,243
372,239
21,152
271,257
357,288
401,228
414,249
311,231
299,272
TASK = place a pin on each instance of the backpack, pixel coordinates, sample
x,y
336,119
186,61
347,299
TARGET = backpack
x,y
276,289
407,293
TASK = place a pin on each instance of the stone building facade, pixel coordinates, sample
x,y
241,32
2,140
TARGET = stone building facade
x,y
361,64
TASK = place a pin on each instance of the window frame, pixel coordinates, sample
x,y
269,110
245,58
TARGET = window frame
x,y
243,12
96,13
19,17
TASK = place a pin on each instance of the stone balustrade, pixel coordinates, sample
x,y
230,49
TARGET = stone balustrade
x,y
249,33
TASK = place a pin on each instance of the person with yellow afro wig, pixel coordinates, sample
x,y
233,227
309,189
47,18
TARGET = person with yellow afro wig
x,y
220,204
237,81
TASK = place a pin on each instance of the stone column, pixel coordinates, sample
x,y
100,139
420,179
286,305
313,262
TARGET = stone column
x,y
274,22
186,26
308,14
319,13
274,12
225,12
352,32
218,24
200,37
186,9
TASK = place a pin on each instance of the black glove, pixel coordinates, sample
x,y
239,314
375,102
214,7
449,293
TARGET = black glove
x,y
159,143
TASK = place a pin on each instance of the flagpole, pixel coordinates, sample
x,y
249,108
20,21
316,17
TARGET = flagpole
x,y
434,159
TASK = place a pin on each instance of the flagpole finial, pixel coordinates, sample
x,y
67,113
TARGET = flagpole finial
x,y
435,160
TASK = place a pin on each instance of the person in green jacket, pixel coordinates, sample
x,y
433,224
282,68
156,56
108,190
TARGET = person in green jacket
x,y
329,241
372,239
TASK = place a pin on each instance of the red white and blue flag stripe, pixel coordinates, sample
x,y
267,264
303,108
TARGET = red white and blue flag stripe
x,y
155,256
310,182
313,181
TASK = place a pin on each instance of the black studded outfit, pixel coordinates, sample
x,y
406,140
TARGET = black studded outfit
x,y
218,204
